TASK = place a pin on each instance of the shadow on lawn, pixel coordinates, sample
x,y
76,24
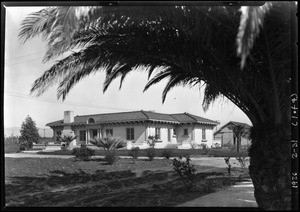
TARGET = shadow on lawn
x,y
111,189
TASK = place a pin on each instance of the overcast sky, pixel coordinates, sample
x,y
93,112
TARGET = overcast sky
x,y
23,64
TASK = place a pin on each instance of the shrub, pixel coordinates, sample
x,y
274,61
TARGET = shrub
x,y
186,171
242,160
150,153
229,146
111,157
223,152
152,140
227,161
11,144
134,152
167,154
204,148
83,153
29,134
109,145
22,147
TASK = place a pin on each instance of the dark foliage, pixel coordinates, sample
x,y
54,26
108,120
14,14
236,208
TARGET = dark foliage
x,y
134,152
83,153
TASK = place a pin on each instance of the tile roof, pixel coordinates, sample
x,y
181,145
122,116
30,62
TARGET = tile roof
x,y
134,116
190,118
56,123
246,126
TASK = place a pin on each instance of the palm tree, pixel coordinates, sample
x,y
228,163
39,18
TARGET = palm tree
x,y
187,45
109,144
66,140
238,132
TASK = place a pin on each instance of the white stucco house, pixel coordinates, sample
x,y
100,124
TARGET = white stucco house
x,y
181,130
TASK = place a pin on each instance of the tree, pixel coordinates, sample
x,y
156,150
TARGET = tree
x,y
29,133
191,45
109,144
238,132
66,141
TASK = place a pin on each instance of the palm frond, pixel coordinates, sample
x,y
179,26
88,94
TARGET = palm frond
x,y
158,77
188,44
252,19
210,95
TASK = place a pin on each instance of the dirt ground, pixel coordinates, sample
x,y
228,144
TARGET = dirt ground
x,y
45,182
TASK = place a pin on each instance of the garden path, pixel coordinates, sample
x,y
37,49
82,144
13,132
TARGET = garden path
x,y
239,195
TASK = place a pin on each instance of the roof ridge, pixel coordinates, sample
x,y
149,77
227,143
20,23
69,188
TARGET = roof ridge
x,y
190,115
110,113
143,112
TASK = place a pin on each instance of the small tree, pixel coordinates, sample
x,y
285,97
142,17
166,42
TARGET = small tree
x,y
29,133
186,171
109,144
150,152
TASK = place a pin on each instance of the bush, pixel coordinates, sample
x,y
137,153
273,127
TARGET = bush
x,y
167,154
134,152
225,153
111,157
242,160
109,145
150,153
83,153
186,171
11,144
22,147
204,148
227,161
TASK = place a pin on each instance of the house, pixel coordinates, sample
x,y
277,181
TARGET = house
x,y
225,134
183,130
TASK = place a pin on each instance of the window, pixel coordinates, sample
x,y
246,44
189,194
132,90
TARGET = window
x,y
174,132
58,134
157,133
82,135
169,134
185,132
203,134
109,132
94,133
130,133
91,121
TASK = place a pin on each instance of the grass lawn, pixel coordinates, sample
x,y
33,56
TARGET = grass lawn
x,y
52,182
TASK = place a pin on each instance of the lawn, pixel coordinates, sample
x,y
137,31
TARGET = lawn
x,y
52,182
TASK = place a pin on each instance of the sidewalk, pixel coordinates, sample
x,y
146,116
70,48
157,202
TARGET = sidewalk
x,y
238,195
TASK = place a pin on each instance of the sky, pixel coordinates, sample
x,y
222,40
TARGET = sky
x,y
23,65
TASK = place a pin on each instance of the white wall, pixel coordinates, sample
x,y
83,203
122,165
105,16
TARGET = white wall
x,y
163,134
120,131
181,138
209,135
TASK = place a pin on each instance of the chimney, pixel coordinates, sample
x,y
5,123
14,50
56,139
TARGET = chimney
x,y
68,117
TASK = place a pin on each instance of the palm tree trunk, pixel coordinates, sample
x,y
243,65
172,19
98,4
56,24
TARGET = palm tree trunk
x,y
270,166
238,144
